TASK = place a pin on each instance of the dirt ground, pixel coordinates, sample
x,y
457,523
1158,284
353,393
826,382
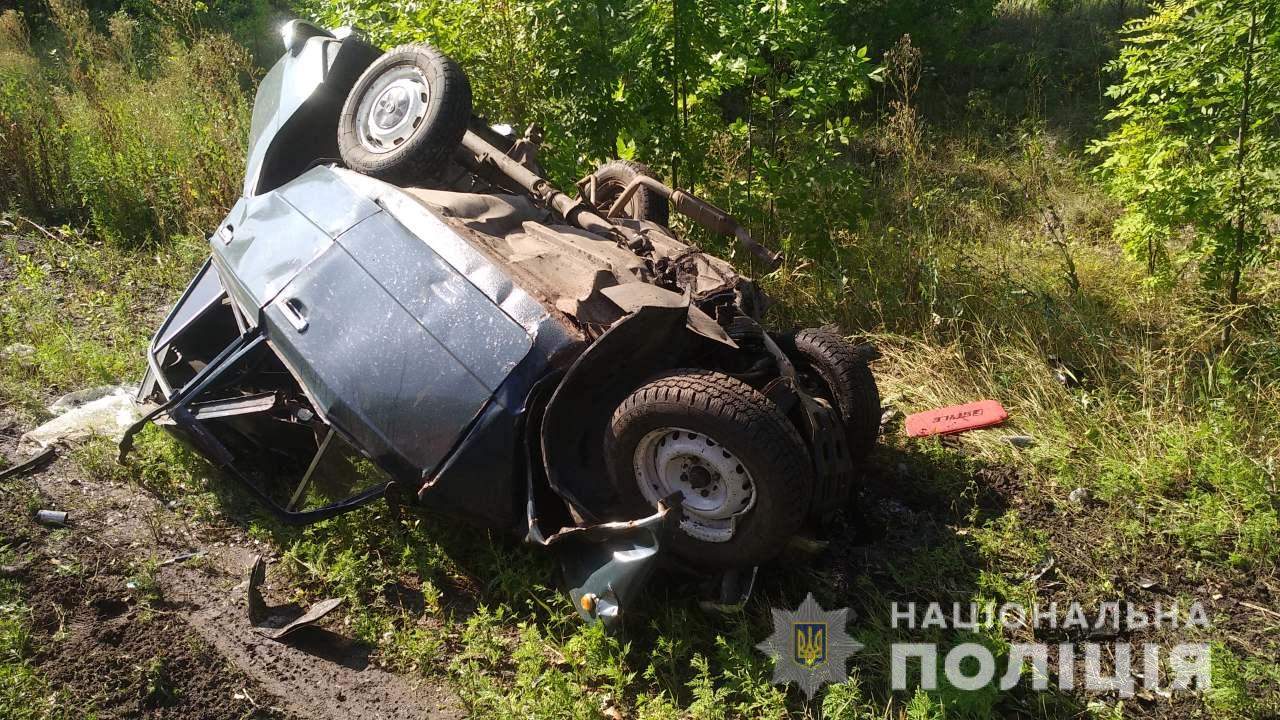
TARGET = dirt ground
x,y
138,614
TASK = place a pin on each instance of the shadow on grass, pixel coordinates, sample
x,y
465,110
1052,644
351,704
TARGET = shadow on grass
x,y
1035,60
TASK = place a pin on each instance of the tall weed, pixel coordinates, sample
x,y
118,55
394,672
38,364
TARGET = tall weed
x,y
141,155
32,144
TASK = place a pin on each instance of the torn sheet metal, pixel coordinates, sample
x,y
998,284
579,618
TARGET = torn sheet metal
x,y
606,565
35,462
270,623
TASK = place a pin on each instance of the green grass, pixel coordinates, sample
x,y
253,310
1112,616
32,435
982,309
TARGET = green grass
x,y
87,308
1171,434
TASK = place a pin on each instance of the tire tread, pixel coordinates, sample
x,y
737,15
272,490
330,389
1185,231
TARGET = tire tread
x,y
845,369
765,429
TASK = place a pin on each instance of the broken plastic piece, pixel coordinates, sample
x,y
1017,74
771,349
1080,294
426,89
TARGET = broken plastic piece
x,y
956,419
80,398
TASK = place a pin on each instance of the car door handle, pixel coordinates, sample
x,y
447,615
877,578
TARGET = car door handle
x,y
294,311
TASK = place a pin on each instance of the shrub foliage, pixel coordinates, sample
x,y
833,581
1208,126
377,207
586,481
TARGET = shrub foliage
x,y
1195,155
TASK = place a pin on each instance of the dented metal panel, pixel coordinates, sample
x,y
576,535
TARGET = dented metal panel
x,y
328,203
202,293
373,368
477,334
268,245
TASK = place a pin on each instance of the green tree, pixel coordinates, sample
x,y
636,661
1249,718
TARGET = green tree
x,y
1196,155
751,102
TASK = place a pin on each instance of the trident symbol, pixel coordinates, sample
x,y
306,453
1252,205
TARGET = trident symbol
x,y
811,644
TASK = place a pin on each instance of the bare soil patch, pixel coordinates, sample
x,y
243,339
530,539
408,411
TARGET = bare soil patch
x,y
130,630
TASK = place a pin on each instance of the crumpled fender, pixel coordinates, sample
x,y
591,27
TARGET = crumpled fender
x,y
633,296
651,340
605,565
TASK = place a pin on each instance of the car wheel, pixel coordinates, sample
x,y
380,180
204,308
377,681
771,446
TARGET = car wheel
x,y
838,372
738,462
405,115
612,180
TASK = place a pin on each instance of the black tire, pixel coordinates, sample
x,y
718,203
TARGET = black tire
x,y
718,410
843,377
425,147
612,179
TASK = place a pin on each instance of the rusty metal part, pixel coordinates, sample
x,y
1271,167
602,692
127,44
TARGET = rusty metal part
x,y
525,150
567,268
572,210
587,188
700,211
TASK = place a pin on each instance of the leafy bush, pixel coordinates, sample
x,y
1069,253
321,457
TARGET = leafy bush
x,y
31,139
1194,157
939,26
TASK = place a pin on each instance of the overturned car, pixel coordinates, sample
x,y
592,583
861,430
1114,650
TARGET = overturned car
x,y
400,305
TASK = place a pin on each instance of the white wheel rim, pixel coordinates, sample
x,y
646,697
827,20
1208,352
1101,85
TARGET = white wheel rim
x,y
716,485
392,109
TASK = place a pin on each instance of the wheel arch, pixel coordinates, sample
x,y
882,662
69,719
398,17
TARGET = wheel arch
x,y
615,364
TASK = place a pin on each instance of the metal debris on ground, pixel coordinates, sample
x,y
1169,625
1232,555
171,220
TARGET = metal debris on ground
x,y
1044,570
32,463
52,517
264,619
182,558
1079,496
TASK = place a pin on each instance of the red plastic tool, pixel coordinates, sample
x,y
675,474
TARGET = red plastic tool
x,y
956,419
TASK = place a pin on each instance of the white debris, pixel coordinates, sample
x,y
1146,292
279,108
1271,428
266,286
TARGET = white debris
x,y
73,400
1079,496
107,416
